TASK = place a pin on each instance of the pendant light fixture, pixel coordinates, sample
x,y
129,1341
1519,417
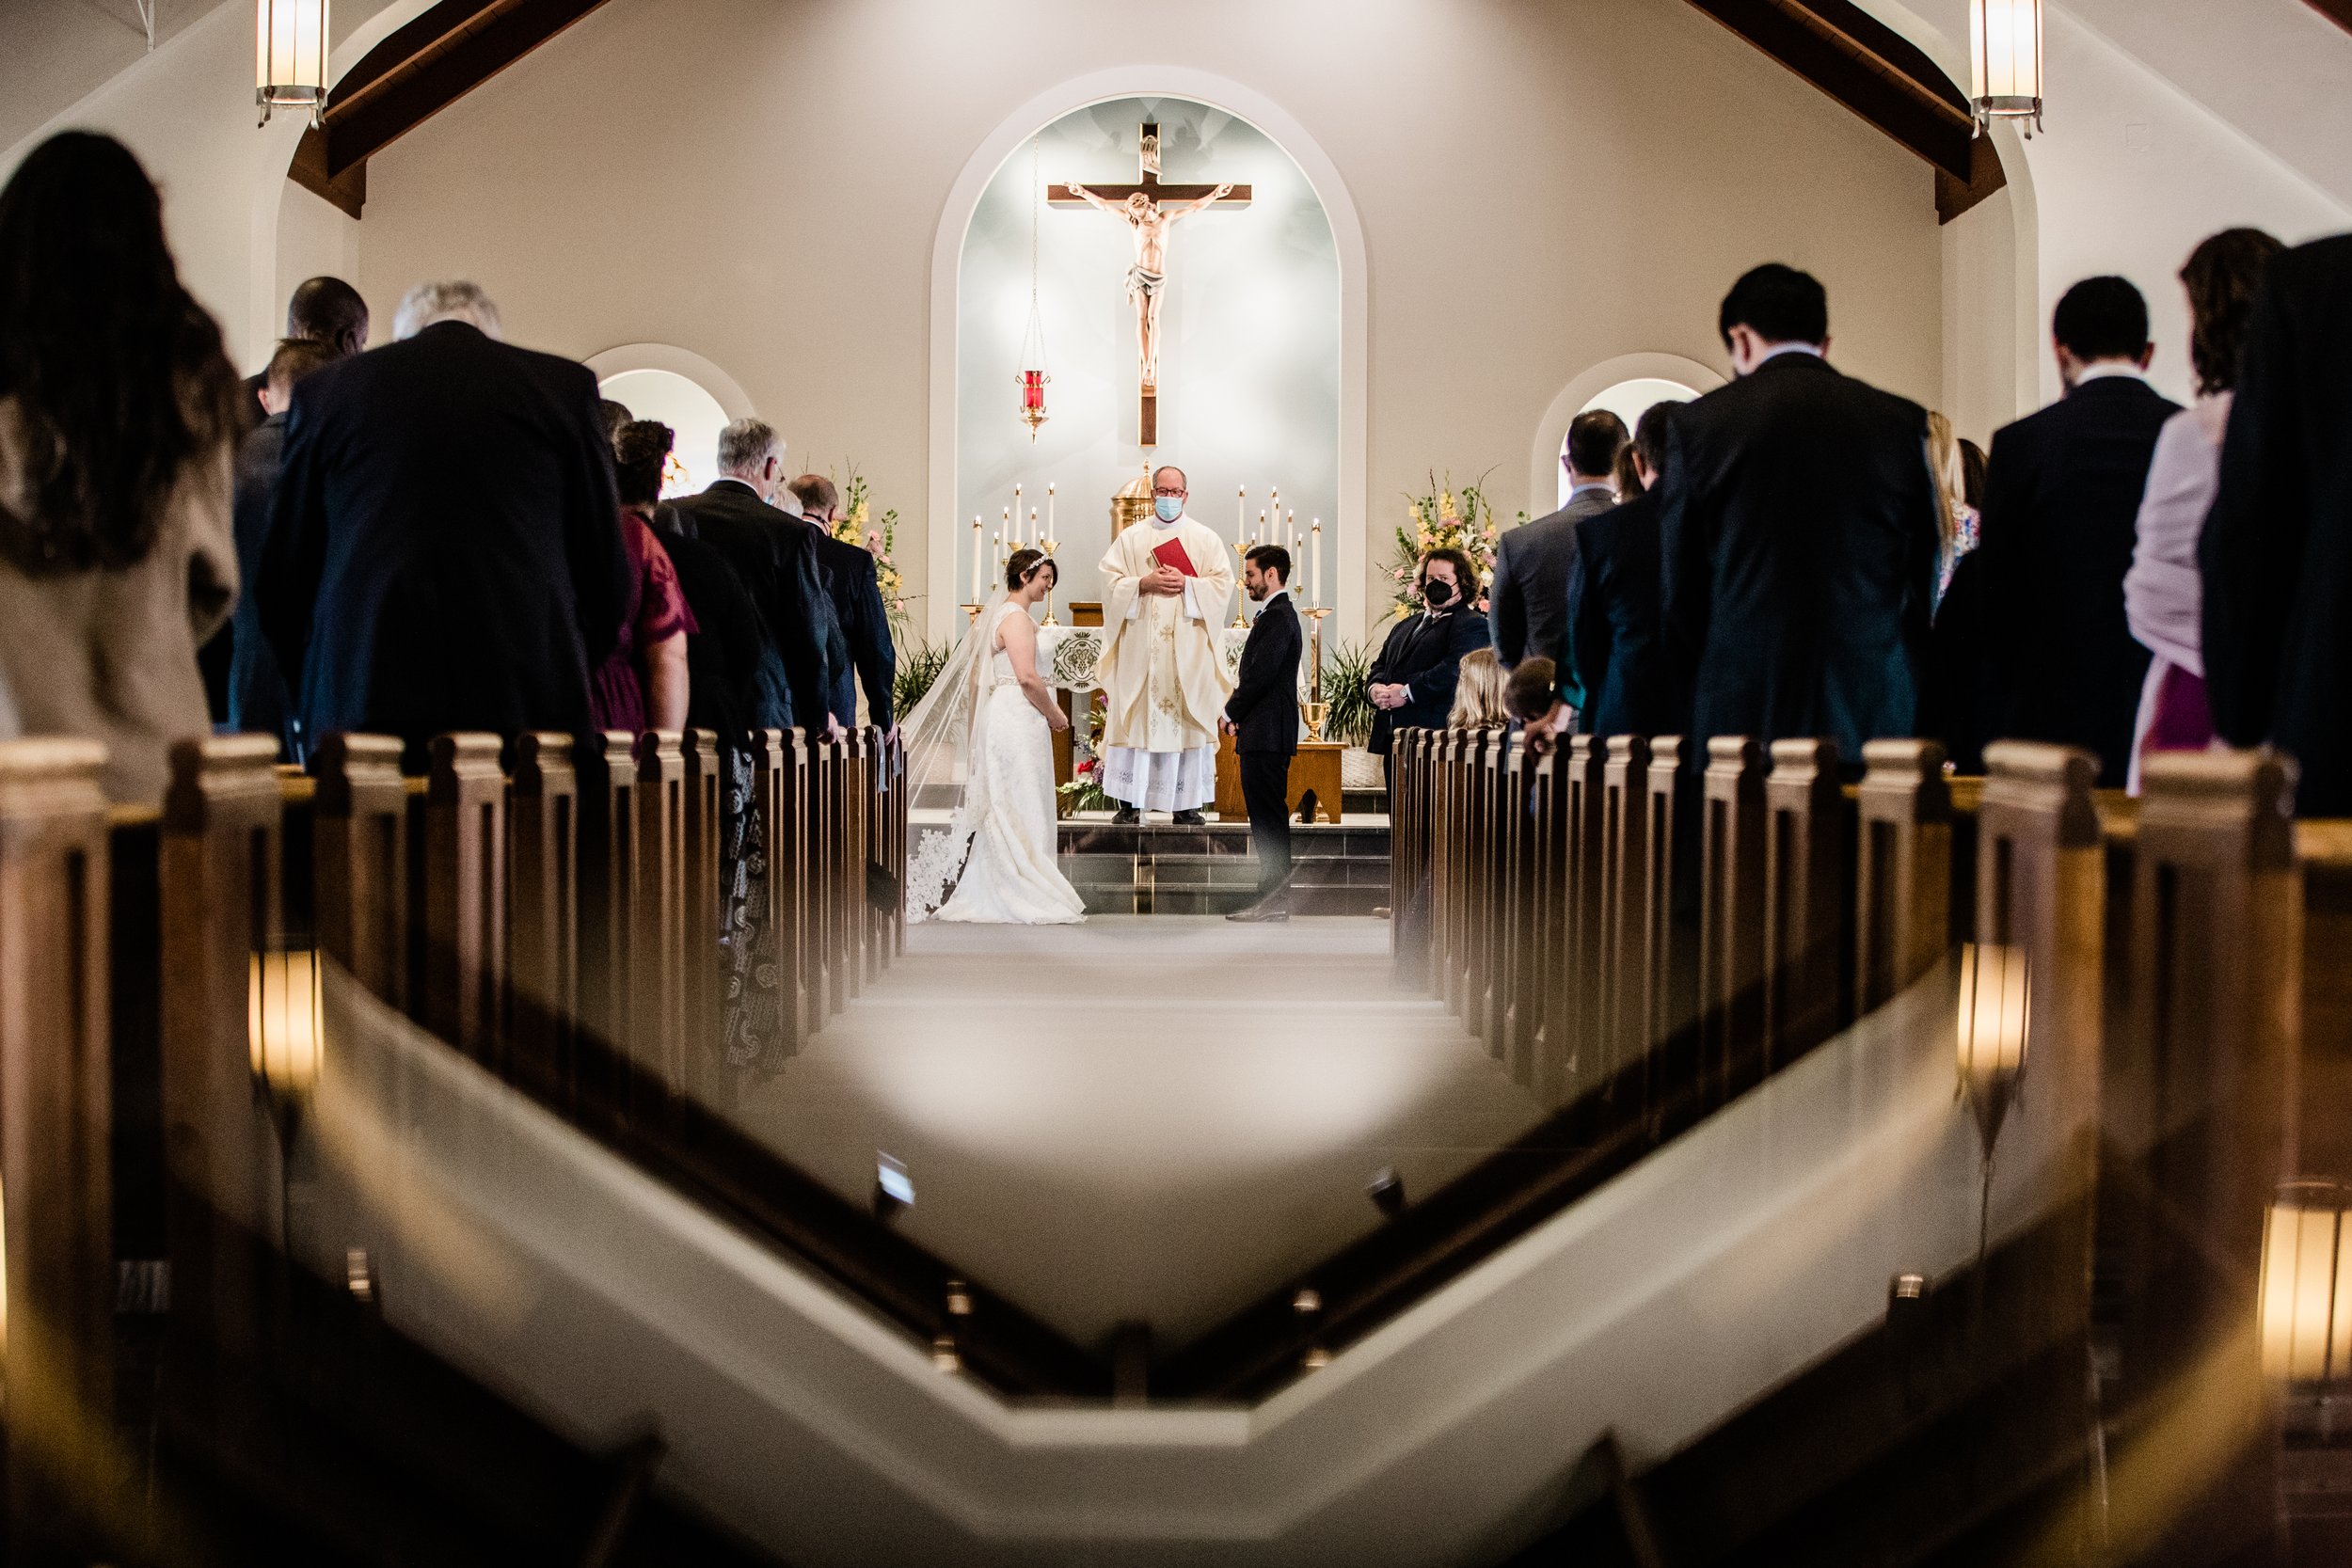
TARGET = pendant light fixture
x,y
2005,62
290,57
1033,377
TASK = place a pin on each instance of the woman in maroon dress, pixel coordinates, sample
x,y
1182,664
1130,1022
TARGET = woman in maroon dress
x,y
643,685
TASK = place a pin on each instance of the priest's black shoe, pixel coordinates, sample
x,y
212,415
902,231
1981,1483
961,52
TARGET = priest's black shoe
x,y
1268,913
1128,816
1191,820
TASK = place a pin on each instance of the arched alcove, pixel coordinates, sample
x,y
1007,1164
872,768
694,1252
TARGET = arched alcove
x,y
1628,400
1171,87
1543,476
683,391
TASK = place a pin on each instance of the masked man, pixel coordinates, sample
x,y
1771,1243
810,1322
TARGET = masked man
x,y
1168,587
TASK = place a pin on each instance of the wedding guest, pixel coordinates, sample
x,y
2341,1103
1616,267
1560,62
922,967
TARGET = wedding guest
x,y
1614,635
1531,694
1478,693
1529,607
642,682
2061,509
257,700
1797,536
1947,458
1413,678
1626,478
1262,715
855,589
324,310
444,550
2277,549
2163,593
776,557
118,412
614,416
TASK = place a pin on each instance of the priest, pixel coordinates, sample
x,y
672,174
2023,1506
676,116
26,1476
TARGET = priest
x,y
1168,585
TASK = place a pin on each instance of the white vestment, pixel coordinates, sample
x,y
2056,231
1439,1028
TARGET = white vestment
x,y
1162,671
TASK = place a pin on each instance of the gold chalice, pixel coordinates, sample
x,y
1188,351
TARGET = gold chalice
x,y
1315,713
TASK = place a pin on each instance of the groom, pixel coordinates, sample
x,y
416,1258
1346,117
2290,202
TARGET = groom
x,y
1263,719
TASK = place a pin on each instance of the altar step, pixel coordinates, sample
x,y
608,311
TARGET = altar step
x,y
1158,869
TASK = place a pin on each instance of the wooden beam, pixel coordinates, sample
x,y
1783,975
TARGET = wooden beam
x,y
2336,12
1876,72
1985,177
417,71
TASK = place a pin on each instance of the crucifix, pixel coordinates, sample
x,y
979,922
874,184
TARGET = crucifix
x,y
1151,209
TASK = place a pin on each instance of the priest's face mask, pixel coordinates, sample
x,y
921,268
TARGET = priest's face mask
x,y
1168,493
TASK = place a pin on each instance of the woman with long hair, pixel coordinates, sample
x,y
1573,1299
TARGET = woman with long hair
x,y
642,682
1478,693
2164,592
118,414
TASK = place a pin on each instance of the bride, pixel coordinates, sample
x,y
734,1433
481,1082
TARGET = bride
x,y
981,764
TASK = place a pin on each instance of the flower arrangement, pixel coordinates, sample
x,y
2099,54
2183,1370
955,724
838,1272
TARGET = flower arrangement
x,y
1440,519
853,527
1084,792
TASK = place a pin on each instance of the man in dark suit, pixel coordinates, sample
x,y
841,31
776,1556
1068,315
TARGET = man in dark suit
x,y
850,580
1262,715
258,699
774,555
1797,536
444,550
1614,631
2277,553
2061,511
1413,678
1534,565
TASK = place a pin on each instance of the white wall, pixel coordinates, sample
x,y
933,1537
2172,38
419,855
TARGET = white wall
x,y
1540,189
2133,173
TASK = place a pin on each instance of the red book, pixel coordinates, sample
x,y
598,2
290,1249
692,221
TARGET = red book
x,y
1172,553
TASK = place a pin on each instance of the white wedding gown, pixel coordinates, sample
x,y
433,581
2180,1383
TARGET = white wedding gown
x,y
1011,877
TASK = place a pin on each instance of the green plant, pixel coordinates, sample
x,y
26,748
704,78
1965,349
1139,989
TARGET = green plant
x,y
918,667
1347,689
1084,792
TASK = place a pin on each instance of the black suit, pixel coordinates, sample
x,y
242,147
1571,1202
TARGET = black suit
x,y
258,699
1423,653
855,590
2277,553
729,689
1264,710
2061,513
444,551
1534,567
774,554
1797,540
1619,649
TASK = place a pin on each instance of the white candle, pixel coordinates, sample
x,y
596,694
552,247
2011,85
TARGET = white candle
x,y
1314,563
979,558
1012,530
1049,513
1290,531
1004,532
1241,513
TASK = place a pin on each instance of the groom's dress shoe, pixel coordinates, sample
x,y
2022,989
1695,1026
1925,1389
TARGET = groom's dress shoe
x,y
1191,820
1127,818
1262,914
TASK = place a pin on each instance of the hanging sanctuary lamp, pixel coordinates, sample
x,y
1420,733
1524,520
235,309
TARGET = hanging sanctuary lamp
x,y
290,57
1033,377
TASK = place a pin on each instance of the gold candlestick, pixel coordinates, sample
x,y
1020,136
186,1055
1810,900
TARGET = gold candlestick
x,y
1049,547
1315,670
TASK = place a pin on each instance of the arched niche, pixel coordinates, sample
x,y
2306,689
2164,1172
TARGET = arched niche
x,y
947,541
1628,400
683,391
1551,433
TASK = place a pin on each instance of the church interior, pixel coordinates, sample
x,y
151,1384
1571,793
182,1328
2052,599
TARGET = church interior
x,y
1127,970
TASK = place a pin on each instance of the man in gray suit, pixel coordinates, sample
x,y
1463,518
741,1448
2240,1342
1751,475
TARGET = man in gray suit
x,y
1532,564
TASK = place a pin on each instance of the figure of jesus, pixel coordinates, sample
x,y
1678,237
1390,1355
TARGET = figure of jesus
x,y
1167,587
1148,278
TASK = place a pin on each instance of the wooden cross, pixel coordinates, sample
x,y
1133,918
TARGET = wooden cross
x,y
1162,197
